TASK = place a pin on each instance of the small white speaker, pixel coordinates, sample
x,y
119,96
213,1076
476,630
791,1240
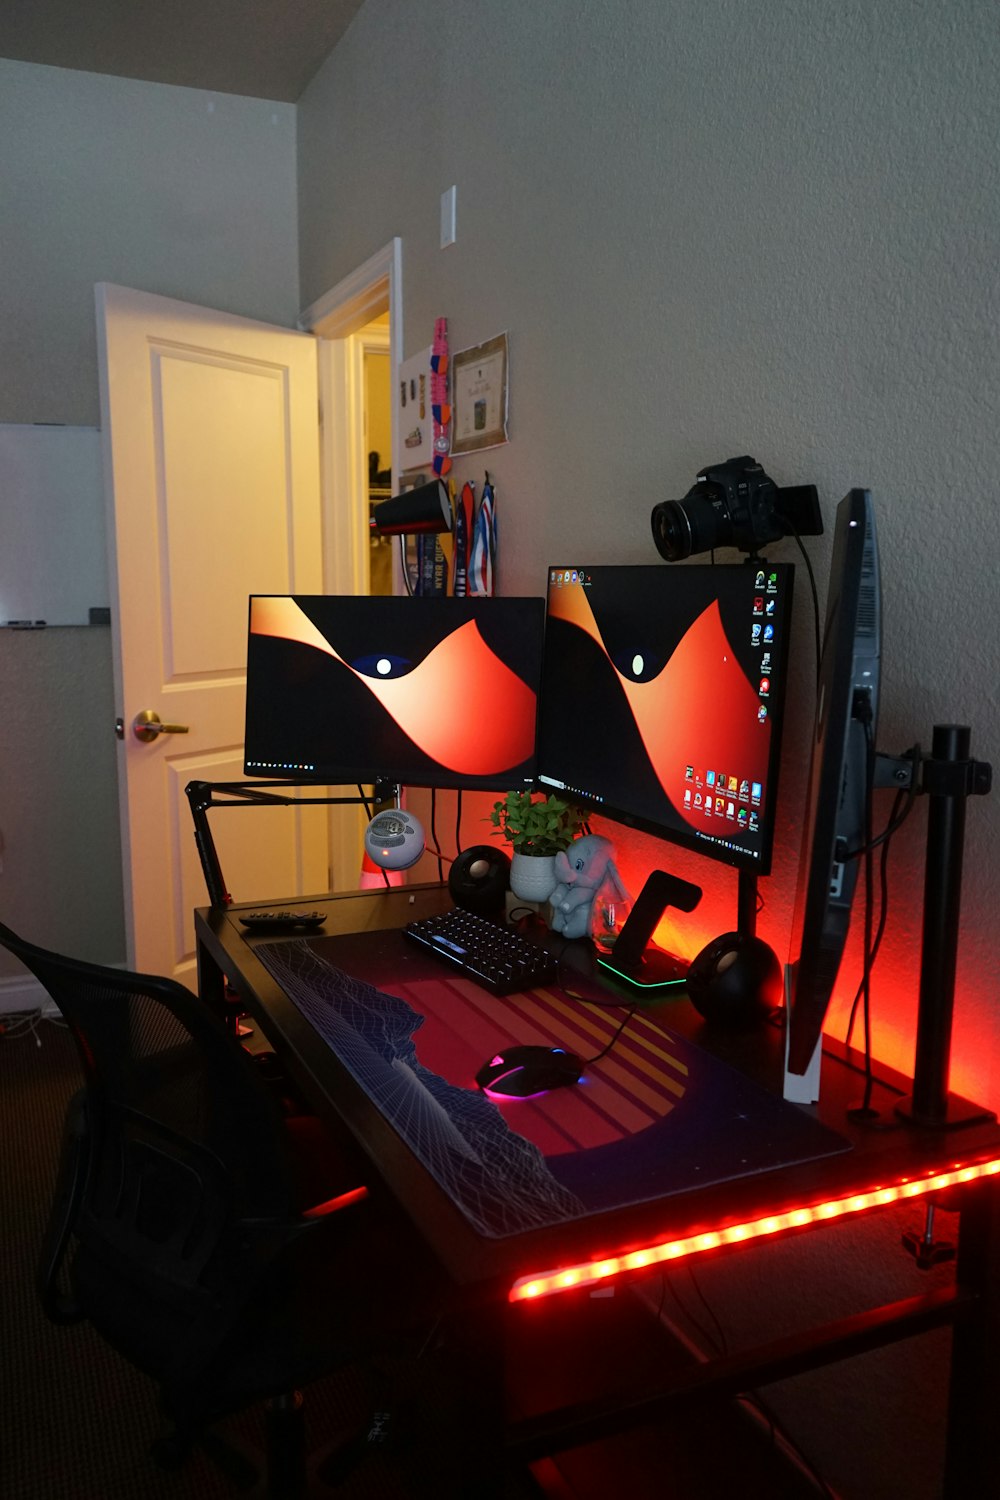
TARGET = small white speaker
x,y
394,840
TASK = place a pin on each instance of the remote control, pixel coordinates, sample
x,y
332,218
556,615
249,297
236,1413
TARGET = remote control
x,y
283,918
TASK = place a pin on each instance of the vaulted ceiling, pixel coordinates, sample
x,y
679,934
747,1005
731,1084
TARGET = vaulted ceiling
x,y
266,49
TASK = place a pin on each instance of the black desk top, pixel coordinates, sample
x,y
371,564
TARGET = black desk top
x,y
626,1175
652,1117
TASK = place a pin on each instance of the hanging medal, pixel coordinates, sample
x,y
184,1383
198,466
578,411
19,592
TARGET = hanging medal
x,y
482,567
440,408
465,514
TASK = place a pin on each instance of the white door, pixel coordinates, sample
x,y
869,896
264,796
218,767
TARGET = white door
x,y
211,453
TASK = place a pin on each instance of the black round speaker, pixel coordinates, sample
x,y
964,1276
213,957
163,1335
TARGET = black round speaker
x,y
479,877
735,980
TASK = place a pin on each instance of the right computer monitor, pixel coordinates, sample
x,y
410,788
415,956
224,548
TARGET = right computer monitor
x,y
843,755
662,698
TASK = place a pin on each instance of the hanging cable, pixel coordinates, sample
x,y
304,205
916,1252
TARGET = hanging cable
x,y
812,587
434,838
605,1050
901,808
907,796
865,1111
402,565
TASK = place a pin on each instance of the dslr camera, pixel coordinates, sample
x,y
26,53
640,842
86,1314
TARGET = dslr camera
x,y
734,504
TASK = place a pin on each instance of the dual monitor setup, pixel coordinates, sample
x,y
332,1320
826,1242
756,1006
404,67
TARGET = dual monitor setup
x,y
649,695
653,698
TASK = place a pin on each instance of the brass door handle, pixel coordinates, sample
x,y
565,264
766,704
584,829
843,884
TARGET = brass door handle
x,y
146,726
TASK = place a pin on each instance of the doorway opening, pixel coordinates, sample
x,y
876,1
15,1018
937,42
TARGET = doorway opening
x,y
358,325
378,441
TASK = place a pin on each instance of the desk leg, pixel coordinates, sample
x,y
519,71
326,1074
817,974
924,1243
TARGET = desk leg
x,y
475,1343
211,981
218,995
972,1457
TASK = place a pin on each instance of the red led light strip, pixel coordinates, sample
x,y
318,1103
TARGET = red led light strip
x,y
546,1283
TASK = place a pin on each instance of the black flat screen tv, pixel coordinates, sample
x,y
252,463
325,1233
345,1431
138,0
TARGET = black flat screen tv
x,y
423,692
662,696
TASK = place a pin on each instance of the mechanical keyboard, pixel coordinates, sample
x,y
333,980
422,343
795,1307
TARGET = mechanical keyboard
x,y
496,957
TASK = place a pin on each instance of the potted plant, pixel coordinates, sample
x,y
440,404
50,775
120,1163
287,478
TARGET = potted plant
x,y
536,828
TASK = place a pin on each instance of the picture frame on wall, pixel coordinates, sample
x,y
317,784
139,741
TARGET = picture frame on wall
x,y
479,396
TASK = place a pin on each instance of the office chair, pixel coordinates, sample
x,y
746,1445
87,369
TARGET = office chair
x,y
195,1228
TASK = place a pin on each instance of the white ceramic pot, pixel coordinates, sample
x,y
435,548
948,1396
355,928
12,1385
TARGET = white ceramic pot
x,y
533,876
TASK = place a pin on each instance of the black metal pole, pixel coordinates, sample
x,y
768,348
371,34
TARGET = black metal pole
x,y
949,778
199,795
942,902
746,904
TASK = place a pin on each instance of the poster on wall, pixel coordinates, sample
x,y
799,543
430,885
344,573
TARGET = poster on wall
x,y
479,396
413,402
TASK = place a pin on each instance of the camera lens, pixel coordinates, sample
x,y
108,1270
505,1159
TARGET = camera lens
x,y
683,528
671,531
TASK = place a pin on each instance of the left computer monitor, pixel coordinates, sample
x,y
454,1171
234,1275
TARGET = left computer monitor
x,y
424,692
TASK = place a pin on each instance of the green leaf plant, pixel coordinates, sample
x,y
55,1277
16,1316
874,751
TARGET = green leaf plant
x,y
535,825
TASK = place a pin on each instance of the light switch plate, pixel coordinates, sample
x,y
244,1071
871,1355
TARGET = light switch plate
x,y
447,218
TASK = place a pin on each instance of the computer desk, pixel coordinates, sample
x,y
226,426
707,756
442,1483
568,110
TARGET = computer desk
x,y
505,1270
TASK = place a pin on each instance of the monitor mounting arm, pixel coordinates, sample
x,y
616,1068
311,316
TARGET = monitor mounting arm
x,y
203,795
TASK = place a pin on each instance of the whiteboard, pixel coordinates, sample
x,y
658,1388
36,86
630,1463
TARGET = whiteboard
x,y
53,554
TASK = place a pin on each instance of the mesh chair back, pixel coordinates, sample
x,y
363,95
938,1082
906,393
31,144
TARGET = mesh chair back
x,y
180,1180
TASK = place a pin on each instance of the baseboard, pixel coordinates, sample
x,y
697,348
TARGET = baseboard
x,y
17,994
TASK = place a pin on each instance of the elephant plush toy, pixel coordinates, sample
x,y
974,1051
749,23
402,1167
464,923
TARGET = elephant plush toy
x,y
584,869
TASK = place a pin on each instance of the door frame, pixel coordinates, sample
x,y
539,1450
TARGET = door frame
x,y
335,319
373,288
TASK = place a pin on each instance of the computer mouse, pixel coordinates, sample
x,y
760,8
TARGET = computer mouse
x,y
520,1072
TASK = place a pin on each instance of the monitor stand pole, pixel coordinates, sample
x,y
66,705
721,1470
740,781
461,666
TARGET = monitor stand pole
x,y
950,777
746,904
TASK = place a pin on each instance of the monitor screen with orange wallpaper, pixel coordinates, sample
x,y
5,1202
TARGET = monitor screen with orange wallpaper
x,y
424,692
662,696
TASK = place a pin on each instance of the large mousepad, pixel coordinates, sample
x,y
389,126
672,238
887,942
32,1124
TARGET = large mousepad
x,y
655,1116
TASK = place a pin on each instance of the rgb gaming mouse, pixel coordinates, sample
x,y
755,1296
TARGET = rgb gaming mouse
x,y
519,1072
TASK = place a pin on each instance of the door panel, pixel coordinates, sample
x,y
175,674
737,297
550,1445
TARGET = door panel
x,y
221,493
212,470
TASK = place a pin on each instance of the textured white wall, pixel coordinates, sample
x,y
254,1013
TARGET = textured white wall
x,y
60,855
713,228
173,190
